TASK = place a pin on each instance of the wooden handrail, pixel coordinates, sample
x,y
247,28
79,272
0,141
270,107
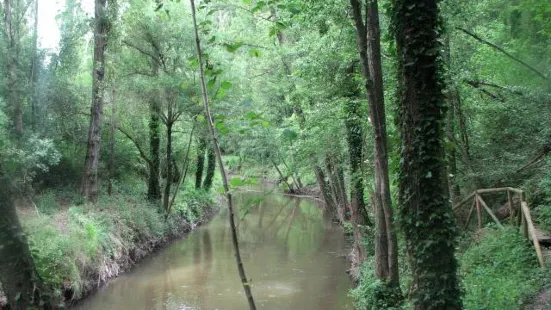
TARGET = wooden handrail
x,y
488,190
489,211
532,231
524,216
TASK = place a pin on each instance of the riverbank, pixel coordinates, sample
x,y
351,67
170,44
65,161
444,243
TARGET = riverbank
x,y
78,247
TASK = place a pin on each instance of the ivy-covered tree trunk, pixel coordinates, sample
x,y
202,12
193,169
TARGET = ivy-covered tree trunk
x,y
153,184
355,140
200,162
368,38
89,187
428,221
18,275
211,168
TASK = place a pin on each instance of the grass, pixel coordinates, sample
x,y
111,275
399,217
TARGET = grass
x,y
498,270
75,246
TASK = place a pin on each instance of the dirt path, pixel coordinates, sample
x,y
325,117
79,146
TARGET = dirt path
x,y
542,301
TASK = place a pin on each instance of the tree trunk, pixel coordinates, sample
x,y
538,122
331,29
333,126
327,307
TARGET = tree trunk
x,y
34,69
200,163
339,174
13,88
386,247
111,167
465,149
453,185
89,187
185,166
168,184
336,192
153,184
292,174
211,167
428,220
281,176
324,188
18,275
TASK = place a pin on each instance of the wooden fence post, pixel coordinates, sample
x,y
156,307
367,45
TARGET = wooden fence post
x,y
470,215
530,226
478,212
510,200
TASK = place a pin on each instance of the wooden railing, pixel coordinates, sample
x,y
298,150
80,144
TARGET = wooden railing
x,y
521,217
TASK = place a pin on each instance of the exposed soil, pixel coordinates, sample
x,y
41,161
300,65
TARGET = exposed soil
x,y
542,301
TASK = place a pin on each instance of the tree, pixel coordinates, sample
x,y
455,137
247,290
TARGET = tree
x,y
200,162
211,168
12,38
427,218
18,275
89,186
368,38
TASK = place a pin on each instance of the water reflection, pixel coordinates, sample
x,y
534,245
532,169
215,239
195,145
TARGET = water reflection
x,y
291,251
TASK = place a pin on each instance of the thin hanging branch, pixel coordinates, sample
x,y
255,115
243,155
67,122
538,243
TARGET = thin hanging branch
x,y
520,61
240,267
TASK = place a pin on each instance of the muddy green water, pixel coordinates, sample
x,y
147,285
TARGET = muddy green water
x,y
291,251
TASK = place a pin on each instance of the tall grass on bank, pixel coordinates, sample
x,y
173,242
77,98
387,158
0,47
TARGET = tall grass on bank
x,y
75,247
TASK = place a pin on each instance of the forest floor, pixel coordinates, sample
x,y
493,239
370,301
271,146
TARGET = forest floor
x,y
542,301
77,248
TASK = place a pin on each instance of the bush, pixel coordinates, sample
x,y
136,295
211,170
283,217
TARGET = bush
x,y
372,294
499,271
47,203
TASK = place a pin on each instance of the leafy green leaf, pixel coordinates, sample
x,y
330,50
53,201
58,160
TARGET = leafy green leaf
x,y
236,182
226,85
232,48
254,52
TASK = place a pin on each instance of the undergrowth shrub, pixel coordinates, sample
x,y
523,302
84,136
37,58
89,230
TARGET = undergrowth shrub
x,y
373,294
499,271
47,203
53,253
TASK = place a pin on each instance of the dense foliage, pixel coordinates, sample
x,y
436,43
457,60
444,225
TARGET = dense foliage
x,y
288,98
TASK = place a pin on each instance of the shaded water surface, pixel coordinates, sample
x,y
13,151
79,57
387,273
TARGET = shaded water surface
x,y
291,251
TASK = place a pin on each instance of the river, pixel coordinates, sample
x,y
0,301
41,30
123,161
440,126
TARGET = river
x,y
292,252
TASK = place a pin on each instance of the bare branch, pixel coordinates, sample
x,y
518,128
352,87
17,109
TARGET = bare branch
x,y
539,157
143,51
523,63
508,89
138,72
477,85
140,150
